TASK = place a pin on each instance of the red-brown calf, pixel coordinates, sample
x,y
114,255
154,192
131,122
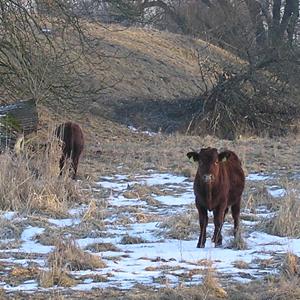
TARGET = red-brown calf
x,y
72,137
219,183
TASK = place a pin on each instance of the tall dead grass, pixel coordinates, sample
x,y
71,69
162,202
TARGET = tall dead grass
x,y
212,285
66,257
285,223
291,265
69,254
29,182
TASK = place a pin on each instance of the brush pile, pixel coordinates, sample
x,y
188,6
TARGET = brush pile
x,y
249,103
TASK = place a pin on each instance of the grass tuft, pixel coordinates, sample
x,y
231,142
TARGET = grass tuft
x,y
290,266
18,275
127,239
56,277
181,226
102,247
240,264
238,242
285,223
212,285
68,254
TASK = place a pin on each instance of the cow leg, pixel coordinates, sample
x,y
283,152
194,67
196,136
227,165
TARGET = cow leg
x,y
214,236
75,160
213,239
62,163
235,211
203,220
218,221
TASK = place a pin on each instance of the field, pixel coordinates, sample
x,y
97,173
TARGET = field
x,y
127,228
136,227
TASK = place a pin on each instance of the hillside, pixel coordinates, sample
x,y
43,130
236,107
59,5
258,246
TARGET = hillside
x,y
153,81
150,79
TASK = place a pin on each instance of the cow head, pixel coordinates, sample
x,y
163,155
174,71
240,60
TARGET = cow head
x,y
208,163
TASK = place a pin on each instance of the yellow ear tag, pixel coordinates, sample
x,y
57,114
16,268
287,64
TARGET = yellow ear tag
x,y
224,159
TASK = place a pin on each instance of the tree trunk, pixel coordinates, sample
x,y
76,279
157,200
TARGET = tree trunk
x,y
275,35
293,21
177,18
255,12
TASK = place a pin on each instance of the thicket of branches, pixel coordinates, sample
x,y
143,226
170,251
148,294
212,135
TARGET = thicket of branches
x,y
246,104
42,51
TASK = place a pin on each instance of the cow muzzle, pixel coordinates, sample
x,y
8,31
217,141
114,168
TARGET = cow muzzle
x,y
208,178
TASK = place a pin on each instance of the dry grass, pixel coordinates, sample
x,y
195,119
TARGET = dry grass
x,y
56,277
9,245
68,255
173,62
128,239
18,275
53,235
291,265
142,191
50,236
102,247
29,182
286,220
285,288
238,242
240,264
212,284
268,288
167,153
96,211
9,230
181,226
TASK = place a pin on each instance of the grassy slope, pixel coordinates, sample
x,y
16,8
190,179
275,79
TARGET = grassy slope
x,y
145,73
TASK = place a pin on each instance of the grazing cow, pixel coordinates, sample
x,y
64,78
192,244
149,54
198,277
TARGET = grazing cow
x,y
219,183
72,138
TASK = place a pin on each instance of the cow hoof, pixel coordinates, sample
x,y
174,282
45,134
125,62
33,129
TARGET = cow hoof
x,y
200,246
218,245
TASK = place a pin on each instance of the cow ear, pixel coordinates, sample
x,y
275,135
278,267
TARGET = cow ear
x,y
194,155
223,156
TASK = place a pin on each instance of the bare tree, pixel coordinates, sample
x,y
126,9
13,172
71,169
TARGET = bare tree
x,y
261,23
41,52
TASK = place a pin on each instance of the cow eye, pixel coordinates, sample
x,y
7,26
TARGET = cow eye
x,y
216,163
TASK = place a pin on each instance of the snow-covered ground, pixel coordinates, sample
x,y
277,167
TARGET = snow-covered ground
x,y
157,260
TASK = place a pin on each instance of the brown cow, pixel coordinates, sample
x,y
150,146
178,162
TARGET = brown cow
x,y
219,183
72,137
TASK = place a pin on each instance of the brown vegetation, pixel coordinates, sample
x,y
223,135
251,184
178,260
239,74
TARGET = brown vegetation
x,y
29,182
287,213
66,257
